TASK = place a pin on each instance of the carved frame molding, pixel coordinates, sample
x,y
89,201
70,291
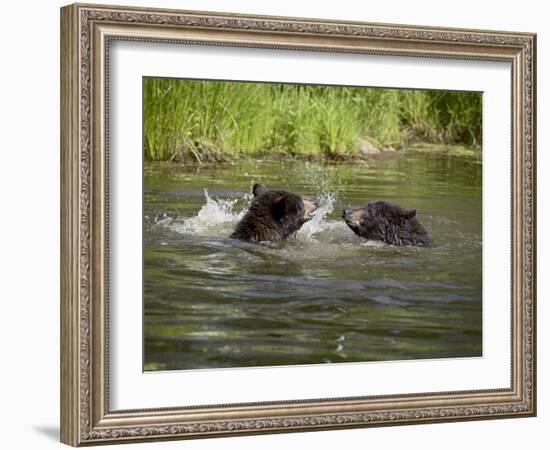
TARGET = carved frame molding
x,y
86,32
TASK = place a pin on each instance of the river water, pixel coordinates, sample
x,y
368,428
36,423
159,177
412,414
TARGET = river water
x,y
325,296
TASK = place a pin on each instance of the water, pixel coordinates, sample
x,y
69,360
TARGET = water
x,y
326,296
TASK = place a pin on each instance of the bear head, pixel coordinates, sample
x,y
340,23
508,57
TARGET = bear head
x,y
392,224
274,215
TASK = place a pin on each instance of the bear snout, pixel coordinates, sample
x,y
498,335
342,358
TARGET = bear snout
x,y
352,217
310,206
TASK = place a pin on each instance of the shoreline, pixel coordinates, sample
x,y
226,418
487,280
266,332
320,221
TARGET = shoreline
x,y
367,153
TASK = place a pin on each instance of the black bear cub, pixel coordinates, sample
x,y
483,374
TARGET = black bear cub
x,y
273,215
392,224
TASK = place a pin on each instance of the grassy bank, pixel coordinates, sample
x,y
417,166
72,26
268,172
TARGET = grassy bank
x,y
211,121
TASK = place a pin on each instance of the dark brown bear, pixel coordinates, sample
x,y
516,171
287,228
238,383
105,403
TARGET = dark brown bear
x,y
273,215
392,224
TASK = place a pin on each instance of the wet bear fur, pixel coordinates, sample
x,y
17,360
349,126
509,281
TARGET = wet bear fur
x,y
392,224
273,215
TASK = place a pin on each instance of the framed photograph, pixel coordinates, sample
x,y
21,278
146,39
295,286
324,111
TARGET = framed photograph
x,y
275,224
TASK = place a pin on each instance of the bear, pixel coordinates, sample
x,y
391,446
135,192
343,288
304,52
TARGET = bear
x,y
273,215
392,224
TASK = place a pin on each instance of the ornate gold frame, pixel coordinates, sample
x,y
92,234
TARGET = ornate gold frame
x,y
86,31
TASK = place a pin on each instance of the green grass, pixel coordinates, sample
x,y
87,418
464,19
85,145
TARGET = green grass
x,y
214,120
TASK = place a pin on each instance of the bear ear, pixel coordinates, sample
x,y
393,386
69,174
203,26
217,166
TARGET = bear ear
x,y
283,206
409,213
258,189
279,207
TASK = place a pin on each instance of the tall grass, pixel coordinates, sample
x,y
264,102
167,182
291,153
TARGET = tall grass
x,y
448,117
211,120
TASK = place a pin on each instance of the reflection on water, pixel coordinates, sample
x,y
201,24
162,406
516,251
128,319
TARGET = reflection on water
x,y
324,296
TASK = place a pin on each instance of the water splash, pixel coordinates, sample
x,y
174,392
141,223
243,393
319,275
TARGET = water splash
x,y
320,222
215,216
324,178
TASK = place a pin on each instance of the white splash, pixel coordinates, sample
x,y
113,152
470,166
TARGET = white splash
x,y
214,216
319,221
